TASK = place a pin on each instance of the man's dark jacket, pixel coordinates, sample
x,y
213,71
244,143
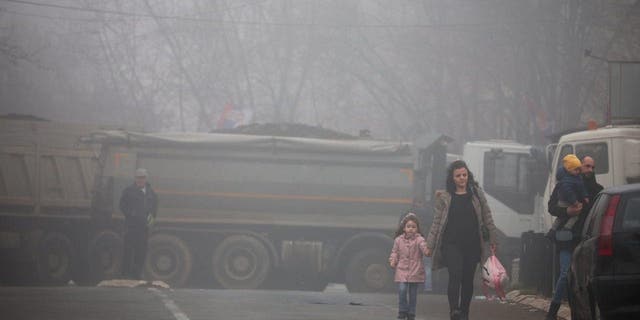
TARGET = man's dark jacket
x,y
137,205
593,188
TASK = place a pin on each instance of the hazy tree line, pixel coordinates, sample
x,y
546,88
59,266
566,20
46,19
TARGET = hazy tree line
x,y
471,69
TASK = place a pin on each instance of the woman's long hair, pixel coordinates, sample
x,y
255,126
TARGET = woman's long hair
x,y
409,217
451,185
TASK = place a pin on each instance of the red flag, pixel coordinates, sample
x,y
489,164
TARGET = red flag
x,y
230,117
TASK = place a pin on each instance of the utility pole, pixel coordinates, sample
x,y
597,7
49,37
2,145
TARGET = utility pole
x,y
624,79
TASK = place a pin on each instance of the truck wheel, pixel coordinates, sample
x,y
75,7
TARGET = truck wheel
x,y
56,258
168,259
105,255
241,262
369,271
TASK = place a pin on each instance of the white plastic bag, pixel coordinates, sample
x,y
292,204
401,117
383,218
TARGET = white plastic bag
x,y
494,276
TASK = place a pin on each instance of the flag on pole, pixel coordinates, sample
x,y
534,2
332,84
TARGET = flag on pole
x,y
232,117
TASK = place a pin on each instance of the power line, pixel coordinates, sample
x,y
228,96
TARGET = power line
x,y
279,24
72,8
35,15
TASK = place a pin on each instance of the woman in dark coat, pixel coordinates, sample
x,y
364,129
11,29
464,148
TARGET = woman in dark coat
x,y
461,226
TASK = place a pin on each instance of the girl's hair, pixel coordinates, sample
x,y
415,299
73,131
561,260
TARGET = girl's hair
x,y
409,217
451,185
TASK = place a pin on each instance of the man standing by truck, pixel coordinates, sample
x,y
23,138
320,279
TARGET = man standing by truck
x,y
565,248
139,204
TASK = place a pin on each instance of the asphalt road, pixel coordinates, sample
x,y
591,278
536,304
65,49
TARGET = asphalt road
x,y
100,303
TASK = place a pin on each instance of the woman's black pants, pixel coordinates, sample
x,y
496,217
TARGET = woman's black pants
x,y
461,263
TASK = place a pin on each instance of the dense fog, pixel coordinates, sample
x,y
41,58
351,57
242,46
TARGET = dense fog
x,y
469,69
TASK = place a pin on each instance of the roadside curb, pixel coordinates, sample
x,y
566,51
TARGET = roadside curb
x,y
537,302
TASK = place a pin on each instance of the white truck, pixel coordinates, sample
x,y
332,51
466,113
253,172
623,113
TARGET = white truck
x,y
518,179
510,174
615,150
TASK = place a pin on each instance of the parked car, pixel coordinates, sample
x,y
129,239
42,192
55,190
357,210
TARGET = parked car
x,y
604,278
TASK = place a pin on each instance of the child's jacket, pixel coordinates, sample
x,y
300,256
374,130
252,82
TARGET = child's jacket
x,y
571,187
409,251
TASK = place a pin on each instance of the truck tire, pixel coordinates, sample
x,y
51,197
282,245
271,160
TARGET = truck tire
x,y
56,259
241,262
368,271
105,255
168,259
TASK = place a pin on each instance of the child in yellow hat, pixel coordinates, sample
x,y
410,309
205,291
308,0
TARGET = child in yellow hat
x,y
571,189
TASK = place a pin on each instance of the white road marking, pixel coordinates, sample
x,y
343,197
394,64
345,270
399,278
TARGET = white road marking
x,y
170,305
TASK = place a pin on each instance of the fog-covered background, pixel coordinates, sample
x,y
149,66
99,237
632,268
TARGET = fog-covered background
x,y
472,69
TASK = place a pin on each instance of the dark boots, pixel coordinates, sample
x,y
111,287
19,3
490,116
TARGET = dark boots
x,y
408,316
455,314
553,311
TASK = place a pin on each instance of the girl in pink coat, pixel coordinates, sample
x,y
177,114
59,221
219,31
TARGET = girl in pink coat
x,y
406,257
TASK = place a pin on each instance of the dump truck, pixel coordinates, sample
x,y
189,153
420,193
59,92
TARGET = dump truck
x,y
249,210
235,210
46,181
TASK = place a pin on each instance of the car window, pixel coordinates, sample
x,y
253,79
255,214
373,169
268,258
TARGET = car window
x,y
598,151
631,216
592,224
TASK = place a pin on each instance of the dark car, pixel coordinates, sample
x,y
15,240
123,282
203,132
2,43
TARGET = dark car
x,y
604,278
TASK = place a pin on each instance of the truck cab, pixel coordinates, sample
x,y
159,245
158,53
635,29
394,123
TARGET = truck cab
x,y
506,170
509,173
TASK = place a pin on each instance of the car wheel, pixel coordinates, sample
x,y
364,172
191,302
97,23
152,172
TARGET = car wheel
x,y
595,309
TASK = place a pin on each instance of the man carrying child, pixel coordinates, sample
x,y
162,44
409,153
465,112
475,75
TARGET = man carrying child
x,y
576,211
571,192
